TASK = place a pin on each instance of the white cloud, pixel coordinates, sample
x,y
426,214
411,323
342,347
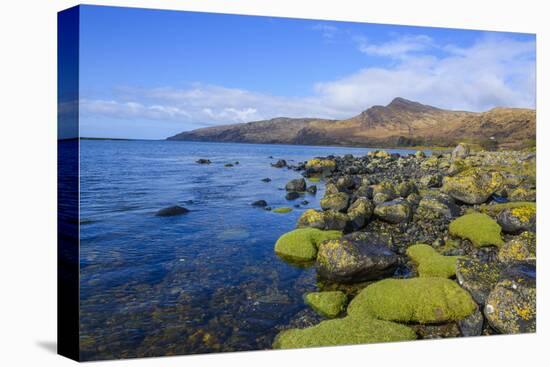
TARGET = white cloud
x,y
327,31
495,71
398,48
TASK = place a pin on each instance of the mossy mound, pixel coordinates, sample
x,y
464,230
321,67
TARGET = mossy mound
x,y
327,304
282,210
348,330
430,263
422,300
479,228
301,244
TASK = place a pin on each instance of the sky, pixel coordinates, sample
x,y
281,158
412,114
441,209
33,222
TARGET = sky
x,y
149,74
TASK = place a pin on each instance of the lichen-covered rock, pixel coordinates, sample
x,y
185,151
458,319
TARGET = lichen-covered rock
x,y
477,277
395,211
405,188
328,304
433,180
312,218
346,260
471,325
461,151
301,244
430,263
437,206
360,212
320,166
472,186
338,202
479,228
511,305
495,209
518,219
522,247
523,194
296,185
380,154
422,300
344,331
335,220
385,188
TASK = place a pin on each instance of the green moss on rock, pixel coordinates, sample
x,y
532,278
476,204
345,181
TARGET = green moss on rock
x,y
327,304
423,300
430,263
301,244
312,218
282,210
479,228
348,330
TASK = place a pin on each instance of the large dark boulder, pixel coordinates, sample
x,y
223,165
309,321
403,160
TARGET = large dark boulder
x,y
347,260
296,185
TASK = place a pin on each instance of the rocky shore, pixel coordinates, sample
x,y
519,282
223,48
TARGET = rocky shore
x,y
416,247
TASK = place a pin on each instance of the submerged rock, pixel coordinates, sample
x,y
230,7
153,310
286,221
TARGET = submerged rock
x,y
297,185
430,263
479,228
511,305
292,195
203,161
172,211
260,203
301,244
395,211
282,210
267,179
328,304
345,260
422,300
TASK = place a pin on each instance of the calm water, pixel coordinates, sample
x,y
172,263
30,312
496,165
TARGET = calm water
x,y
207,281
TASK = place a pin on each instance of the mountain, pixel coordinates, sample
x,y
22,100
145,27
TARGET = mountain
x,y
400,123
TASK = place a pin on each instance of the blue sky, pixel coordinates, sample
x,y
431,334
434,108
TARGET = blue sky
x,y
153,73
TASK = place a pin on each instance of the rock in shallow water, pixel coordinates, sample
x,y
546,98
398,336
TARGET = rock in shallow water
x,y
292,195
297,185
260,203
345,260
172,211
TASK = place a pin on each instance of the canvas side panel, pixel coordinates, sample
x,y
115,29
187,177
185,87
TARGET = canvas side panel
x,y
68,184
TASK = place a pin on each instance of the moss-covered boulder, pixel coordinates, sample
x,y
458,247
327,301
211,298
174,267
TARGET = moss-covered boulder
x,y
518,219
405,188
422,300
348,330
472,186
479,228
434,206
495,209
282,210
522,247
338,202
320,166
312,218
511,307
430,263
301,244
349,260
335,220
328,304
395,211
359,213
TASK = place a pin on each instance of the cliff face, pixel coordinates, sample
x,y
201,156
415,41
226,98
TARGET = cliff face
x,y
400,123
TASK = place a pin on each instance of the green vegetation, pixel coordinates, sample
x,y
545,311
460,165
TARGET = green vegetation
x,y
348,330
430,263
282,210
301,244
327,304
423,300
479,228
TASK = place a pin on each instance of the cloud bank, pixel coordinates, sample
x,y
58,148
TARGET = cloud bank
x,y
494,71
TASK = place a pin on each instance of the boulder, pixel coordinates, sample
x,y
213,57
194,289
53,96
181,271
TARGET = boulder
x,y
419,300
279,164
203,161
460,151
522,247
335,220
431,180
260,203
518,219
327,304
478,228
338,202
312,218
523,194
349,261
359,213
405,188
320,166
172,211
434,206
301,244
297,185
511,306
471,325
472,186
477,277
312,189
395,211
430,263
267,179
